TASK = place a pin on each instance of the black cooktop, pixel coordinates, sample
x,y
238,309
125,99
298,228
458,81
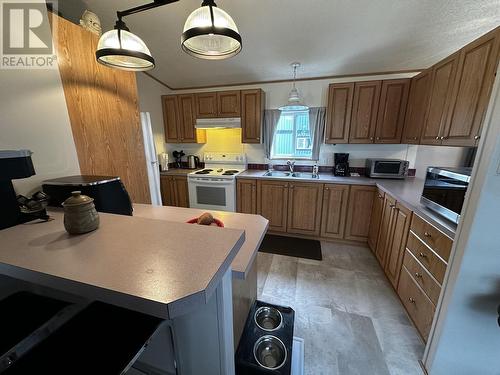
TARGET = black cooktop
x,y
204,171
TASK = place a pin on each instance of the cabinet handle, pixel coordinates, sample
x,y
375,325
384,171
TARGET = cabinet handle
x,y
257,138
371,138
378,138
418,275
427,234
422,255
477,137
327,188
437,138
392,206
412,300
285,186
291,186
415,138
380,197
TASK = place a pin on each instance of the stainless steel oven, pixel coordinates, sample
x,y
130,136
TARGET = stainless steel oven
x,y
386,168
444,191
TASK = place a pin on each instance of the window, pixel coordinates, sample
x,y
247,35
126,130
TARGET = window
x,y
292,138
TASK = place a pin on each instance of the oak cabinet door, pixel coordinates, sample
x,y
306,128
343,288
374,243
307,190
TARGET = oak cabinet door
x,y
187,118
475,75
304,208
228,103
252,110
417,107
378,207
364,111
384,235
180,186
443,77
338,117
334,212
359,212
391,110
246,196
396,249
171,118
272,203
206,105
167,191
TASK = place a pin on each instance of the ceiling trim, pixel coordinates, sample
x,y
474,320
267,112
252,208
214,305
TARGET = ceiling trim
x,y
284,80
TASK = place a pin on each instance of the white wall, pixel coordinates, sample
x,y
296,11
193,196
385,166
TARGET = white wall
x,y
469,339
33,115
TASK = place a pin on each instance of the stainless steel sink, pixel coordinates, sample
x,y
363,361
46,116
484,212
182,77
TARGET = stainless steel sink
x,y
289,174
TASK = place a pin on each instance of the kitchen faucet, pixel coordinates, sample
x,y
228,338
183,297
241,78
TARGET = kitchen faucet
x,y
290,164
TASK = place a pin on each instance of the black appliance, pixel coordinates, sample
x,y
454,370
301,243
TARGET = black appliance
x,y
14,164
341,164
108,192
444,191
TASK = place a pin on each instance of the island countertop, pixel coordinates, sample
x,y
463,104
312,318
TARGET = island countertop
x,y
154,266
255,227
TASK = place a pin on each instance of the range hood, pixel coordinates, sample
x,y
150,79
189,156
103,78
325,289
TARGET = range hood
x,y
218,123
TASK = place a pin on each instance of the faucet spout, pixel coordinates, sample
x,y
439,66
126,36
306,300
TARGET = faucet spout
x,y
291,165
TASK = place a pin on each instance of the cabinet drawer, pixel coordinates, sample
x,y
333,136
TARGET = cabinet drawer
x,y
432,236
426,257
423,278
419,307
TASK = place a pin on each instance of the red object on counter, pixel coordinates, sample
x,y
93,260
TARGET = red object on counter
x,y
216,221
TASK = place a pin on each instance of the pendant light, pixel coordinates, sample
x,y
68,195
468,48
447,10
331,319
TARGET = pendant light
x,y
210,33
294,101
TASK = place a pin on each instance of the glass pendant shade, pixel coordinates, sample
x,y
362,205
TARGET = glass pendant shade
x,y
121,49
294,102
210,33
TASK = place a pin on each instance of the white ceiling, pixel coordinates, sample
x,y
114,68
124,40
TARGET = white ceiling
x,y
329,37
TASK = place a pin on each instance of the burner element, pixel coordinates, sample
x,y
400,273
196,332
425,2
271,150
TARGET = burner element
x,y
204,171
230,172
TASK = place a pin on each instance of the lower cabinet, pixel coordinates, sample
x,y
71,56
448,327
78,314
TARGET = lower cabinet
x,y
304,208
385,229
359,212
246,196
272,203
378,207
333,218
174,191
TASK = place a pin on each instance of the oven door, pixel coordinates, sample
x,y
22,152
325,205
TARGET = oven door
x,y
212,193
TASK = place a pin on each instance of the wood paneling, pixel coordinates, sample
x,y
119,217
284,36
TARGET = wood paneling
x,y
376,219
246,196
304,208
338,117
228,103
417,106
335,200
272,203
475,75
364,111
252,110
391,111
443,77
206,105
359,212
103,110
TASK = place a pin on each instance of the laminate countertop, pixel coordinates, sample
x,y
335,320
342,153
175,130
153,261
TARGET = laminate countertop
x,y
178,172
407,191
255,227
158,267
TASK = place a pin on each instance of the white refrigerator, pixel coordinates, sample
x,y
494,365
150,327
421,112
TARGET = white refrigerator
x,y
152,165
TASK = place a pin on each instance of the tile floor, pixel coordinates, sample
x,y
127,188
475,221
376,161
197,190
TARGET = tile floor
x,y
350,318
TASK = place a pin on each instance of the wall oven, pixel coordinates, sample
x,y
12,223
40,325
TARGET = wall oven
x,y
445,189
211,193
386,168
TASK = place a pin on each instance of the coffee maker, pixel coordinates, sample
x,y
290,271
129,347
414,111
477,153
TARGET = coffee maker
x,y
341,164
13,165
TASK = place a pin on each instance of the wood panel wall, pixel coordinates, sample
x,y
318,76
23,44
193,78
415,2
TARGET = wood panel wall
x,y
103,110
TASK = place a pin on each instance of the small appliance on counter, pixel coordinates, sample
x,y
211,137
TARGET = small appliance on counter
x,y
444,191
386,168
163,159
341,164
108,192
178,158
193,161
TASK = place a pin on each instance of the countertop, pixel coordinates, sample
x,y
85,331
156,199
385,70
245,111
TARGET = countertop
x,y
255,227
406,191
157,267
178,171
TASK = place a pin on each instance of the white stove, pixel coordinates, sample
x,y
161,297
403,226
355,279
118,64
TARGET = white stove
x,y
214,187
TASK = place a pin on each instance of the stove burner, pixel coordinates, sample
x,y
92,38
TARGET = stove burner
x,y
204,171
230,172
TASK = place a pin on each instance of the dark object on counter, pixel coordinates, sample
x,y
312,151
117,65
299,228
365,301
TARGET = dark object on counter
x,y
108,192
34,208
100,339
341,164
387,168
14,164
444,191
294,247
80,215
193,161
265,346
178,158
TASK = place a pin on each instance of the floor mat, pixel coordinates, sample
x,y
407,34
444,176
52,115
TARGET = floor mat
x,y
291,246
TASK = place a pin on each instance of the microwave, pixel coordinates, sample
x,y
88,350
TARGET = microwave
x,y
386,168
444,191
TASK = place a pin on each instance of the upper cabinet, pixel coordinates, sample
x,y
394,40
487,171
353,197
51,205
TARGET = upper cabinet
x,y
416,108
252,113
206,105
228,103
179,119
364,111
338,116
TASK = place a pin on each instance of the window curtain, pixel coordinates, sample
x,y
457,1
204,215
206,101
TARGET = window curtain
x,y
271,118
317,118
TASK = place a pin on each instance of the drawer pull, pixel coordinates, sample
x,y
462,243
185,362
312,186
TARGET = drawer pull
x,y
412,300
422,255
418,275
427,234
392,206
380,196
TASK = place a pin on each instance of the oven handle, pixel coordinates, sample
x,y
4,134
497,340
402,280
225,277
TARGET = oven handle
x,y
210,182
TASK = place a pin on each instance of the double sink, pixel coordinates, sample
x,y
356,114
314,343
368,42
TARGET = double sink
x,y
290,174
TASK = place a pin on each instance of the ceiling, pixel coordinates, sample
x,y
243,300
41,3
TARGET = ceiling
x,y
329,37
